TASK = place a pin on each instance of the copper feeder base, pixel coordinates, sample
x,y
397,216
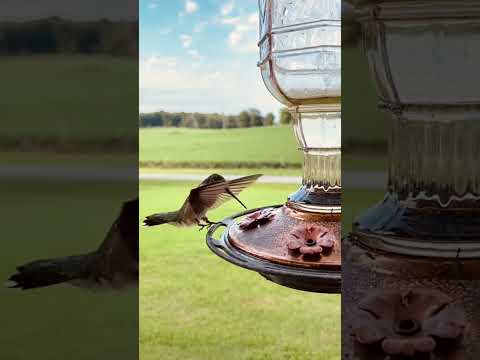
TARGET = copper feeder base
x,y
264,249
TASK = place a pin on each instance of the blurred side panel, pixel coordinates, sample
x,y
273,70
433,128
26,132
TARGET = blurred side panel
x,y
411,250
68,163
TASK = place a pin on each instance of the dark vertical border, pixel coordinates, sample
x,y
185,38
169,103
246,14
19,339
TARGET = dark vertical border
x,y
68,169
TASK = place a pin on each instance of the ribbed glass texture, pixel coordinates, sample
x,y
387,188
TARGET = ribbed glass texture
x,y
435,164
300,49
318,134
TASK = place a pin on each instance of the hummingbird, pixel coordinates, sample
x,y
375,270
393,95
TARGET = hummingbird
x,y
211,193
113,265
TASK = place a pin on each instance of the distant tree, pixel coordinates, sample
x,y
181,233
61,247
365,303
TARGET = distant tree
x,y
230,122
215,121
247,118
269,120
56,35
177,119
148,120
244,119
167,122
202,120
255,117
285,117
190,121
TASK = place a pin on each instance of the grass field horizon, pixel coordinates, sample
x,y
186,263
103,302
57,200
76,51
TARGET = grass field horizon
x,y
259,145
364,136
273,150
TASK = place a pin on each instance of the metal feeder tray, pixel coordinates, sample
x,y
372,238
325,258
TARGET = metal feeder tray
x,y
305,279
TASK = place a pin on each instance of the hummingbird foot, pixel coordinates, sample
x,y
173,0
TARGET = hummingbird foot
x,y
203,226
207,224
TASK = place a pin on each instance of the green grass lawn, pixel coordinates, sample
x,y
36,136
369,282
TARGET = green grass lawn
x,y
41,220
210,146
194,305
350,162
239,151
238,171
69,97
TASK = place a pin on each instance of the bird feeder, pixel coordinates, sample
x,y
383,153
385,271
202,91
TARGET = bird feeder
x,y
419,247
298,244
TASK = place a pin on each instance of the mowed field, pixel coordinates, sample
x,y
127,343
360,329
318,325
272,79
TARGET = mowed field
x,y
268,150
274,146
195,306
69,97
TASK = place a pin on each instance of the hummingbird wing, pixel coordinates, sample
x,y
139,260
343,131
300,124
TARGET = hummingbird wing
x,y
215,190
117,256
126,228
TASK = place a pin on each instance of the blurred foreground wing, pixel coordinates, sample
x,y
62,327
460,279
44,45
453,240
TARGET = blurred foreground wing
x,y
118,254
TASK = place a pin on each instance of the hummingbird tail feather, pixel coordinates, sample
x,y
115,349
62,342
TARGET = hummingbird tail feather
x,y
154,220
43,273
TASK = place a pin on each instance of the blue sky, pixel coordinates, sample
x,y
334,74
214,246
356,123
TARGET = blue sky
x,y
201,55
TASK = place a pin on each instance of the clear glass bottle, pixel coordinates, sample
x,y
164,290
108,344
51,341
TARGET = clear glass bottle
x,y
300,62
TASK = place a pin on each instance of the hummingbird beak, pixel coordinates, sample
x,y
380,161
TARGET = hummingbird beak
x,y
233,195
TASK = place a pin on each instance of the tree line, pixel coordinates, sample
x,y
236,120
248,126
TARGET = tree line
x,y
247,118
55,35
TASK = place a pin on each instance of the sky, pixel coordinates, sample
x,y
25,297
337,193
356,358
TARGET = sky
x,y
201,56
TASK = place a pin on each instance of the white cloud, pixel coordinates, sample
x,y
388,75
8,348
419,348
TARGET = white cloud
x,y
253,19
244,36
230,20
237,35
198,28
227,8
186,41
154,62
195,54
191,6
166,84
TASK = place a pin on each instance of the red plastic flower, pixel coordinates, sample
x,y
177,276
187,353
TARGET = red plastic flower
x,y
407,323
310,239
258,218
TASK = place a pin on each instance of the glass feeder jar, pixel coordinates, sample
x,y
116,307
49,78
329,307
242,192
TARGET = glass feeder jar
x,y
297,244
300,63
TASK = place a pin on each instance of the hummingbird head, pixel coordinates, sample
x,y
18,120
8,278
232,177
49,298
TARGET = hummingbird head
x,y
216,177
